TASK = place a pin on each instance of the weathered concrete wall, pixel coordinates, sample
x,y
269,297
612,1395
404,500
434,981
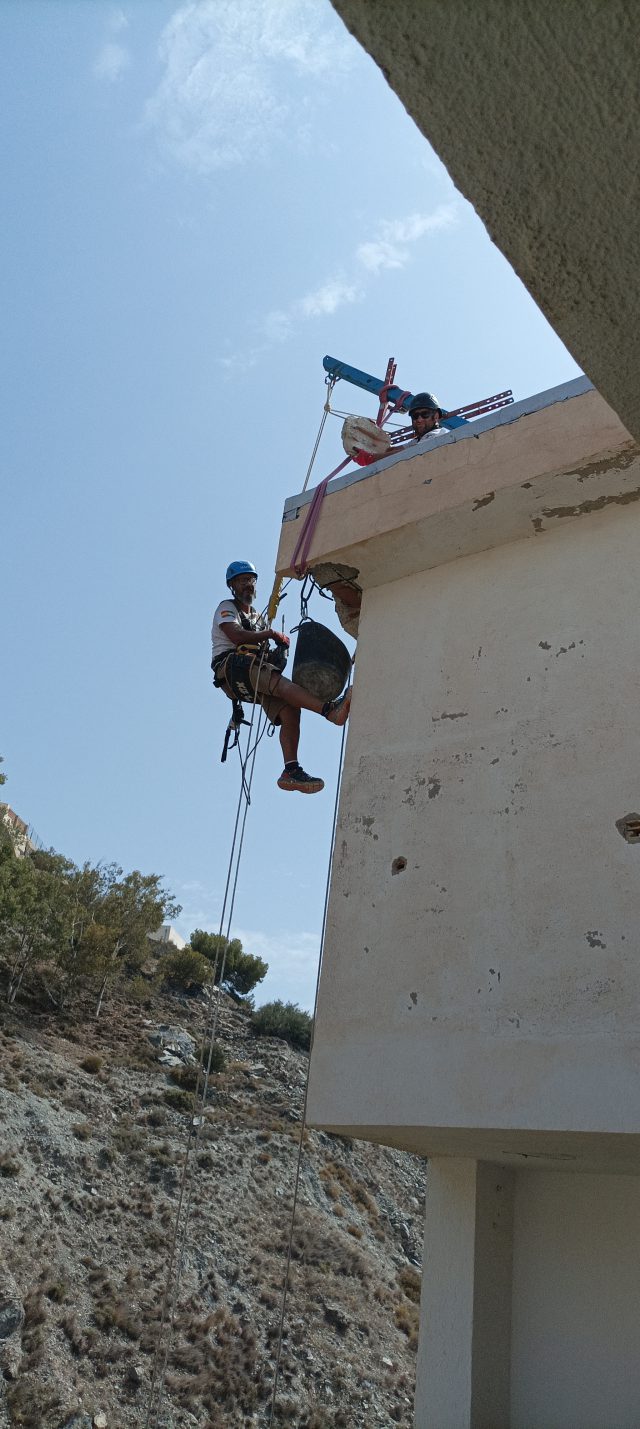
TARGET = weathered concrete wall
x,y
530,1313
464,1369
533,107
575,1338
480,986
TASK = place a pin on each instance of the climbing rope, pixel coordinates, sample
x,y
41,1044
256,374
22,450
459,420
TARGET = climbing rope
x,y
181,1222
330,383
303,1123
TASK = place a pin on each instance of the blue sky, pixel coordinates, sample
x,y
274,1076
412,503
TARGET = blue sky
x,y
202,200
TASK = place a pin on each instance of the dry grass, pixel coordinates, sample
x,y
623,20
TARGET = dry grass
x,y
91,1064
9,1165
410,1282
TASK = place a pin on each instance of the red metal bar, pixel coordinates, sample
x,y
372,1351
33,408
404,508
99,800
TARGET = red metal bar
x,y
504,398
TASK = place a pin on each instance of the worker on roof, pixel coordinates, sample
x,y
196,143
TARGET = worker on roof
x,y
425,414
244,669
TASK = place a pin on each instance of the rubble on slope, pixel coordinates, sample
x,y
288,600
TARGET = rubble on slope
x,y
94,1122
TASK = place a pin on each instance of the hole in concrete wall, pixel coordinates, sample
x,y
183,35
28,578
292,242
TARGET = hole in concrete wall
x,y
629,827
398,865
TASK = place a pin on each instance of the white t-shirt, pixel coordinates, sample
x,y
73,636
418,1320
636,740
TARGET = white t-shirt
x,y
227,613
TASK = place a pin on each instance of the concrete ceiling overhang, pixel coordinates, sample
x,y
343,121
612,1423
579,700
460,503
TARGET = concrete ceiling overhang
x,y
533,107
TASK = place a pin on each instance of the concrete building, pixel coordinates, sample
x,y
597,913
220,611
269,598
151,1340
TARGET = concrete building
x,y
23,838
480,986
168,934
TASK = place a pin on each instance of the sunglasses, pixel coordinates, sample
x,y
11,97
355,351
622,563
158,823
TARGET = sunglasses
x,y
424,412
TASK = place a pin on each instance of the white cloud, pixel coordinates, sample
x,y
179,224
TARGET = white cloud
x,y
292,956
327,299
111,62
293,964
281,323
227,64
391,246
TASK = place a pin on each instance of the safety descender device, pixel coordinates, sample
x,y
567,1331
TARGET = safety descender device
x,y
232,732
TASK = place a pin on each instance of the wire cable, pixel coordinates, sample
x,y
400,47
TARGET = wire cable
x,y
296,1186
331,382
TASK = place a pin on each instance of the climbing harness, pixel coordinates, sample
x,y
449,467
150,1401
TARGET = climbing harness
x,y
235,668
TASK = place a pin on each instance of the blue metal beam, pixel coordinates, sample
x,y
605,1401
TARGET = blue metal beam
x,y
374,385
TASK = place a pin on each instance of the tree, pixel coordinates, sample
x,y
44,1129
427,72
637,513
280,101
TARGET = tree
x,y
185,968
128,909
33,911
79,954
283,1019
242,971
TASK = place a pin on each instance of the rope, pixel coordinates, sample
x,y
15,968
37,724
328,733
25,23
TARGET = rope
x,y
181,1223
296,1186
273,599
331,382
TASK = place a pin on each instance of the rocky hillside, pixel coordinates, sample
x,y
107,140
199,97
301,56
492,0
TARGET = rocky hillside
x,y
91,1149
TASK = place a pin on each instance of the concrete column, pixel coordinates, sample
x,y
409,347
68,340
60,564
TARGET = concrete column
x,y
465,1312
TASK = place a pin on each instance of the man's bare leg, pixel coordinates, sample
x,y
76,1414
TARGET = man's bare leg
x,y
295,696
289,733
299,699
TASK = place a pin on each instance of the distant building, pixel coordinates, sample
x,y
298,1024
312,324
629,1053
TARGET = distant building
x,y
167,934
20,833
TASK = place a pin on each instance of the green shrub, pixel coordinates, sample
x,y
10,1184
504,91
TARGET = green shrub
x,y
218,1058
410,1282
185,1077
283,1019
139,991
185,968
81,1130
178,1100
242,971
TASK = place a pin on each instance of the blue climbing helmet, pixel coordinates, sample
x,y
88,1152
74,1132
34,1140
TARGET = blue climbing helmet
x,y
424,402
240,568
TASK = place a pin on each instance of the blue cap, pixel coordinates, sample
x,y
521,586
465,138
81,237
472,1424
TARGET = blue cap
x,y
240,568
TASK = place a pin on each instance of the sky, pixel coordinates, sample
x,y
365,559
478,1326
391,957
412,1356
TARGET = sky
x,y
201,200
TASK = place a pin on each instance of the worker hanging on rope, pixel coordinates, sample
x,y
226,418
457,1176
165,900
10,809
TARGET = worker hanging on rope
x,y
245,669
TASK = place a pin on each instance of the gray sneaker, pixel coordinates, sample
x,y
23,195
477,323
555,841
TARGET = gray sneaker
x,y
298,779
338,712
